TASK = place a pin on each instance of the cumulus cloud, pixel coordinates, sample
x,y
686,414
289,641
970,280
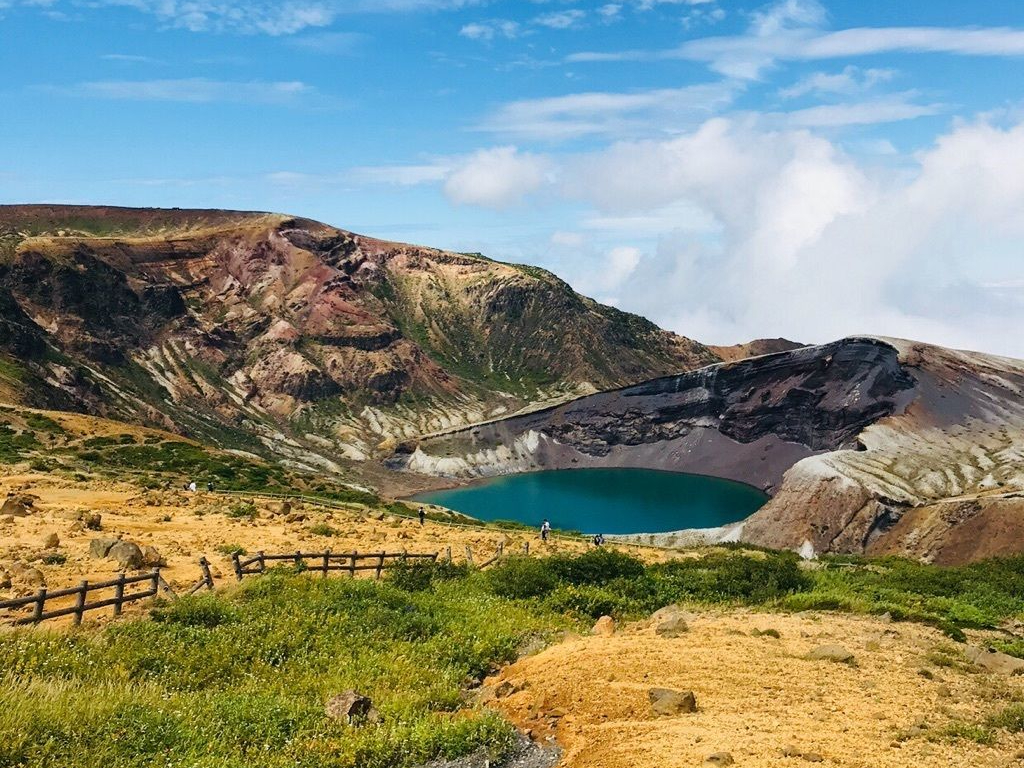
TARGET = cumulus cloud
x,y
561,19
815,244
496,178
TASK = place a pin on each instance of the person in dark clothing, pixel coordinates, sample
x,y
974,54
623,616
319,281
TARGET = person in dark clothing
x,y
599,540
545,530
423,515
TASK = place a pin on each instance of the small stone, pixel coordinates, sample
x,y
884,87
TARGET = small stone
x,y
51,541
719,758
18,506
6,519
836,653
927,674
812,757
351,707
665,701
92,520
773,633
605,627
296,517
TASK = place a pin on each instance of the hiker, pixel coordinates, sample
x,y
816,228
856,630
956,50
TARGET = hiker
x,y
423,515
599,540
545,529
209,487
192,486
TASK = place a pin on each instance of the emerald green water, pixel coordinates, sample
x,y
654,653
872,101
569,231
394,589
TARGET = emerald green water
x,y
605,500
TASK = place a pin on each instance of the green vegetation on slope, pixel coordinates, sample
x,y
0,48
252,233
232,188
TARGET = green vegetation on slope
x,y
241,678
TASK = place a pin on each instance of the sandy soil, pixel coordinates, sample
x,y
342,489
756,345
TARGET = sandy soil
x,y
184,527
757,695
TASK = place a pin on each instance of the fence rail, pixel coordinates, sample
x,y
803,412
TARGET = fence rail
x,y
324,562
81,594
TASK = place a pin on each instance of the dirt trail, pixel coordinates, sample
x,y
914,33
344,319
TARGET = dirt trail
x,y
757,696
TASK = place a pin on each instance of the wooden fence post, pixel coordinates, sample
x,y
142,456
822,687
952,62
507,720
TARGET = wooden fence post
x,y
352,565
37,613
204,564
501,548
262,563
119,594
327,558
83,590
526,548
380,564
449,554
298,561
469,555
237,564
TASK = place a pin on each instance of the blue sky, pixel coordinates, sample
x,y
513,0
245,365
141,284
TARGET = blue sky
x,y
730,169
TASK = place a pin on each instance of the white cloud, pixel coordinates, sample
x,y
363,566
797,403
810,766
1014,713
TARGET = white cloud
x,y
488,30
401,175
886,110
610,10
328,42
253,16
849,81
496,178
561,19
197,90
582,114
792,30
815,244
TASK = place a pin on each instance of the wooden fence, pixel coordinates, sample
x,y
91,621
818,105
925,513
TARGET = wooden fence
x,y
81,594
315,562
324,562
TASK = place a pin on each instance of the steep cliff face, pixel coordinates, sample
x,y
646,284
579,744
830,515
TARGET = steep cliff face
x,y
319,342
867,445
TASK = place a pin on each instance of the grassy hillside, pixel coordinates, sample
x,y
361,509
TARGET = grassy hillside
x,y
240,678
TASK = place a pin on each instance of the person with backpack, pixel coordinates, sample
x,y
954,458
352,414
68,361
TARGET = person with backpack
x,y
545,530
423,515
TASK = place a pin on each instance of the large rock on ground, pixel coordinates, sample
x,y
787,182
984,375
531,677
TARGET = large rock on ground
x,y
993,661
18,506
670,621
605,626
127,554
666,702
99,547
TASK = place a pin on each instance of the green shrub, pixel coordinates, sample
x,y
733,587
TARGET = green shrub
x,y
202,611
419,575
323,529
595,567
55,558
1011,719
521,577
242,509
231,549
590,601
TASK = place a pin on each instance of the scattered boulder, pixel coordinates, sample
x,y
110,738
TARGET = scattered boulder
x,y
18,505
773,633
99,547
605,626
51,541
507,688
670,621
284,508
296,517
92,520
152,558
6,519
719,758
992,660
377,515
127,554
666,702
5,579
836,653
22,575
352,708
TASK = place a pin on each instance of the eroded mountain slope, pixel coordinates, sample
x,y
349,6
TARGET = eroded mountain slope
x,y
319,342
866,444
